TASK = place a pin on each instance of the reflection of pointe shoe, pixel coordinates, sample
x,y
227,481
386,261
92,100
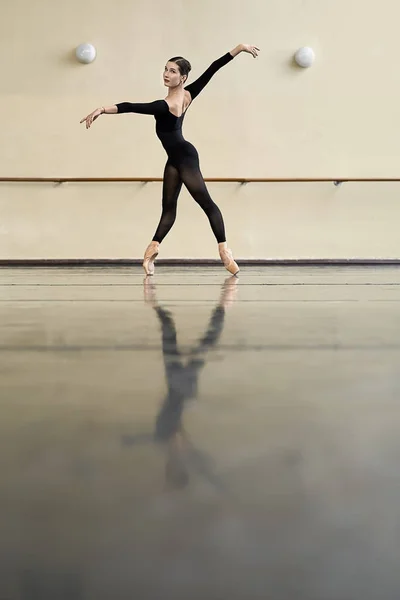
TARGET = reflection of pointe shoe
x,y
149,257
149,292
229,291
227,258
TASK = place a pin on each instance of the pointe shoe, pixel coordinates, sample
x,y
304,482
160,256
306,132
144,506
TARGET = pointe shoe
x,y
149,257
227,258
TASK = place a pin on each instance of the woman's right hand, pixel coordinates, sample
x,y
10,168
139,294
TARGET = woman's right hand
x,y
92,117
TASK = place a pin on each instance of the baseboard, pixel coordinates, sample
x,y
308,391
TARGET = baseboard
x,y
259,262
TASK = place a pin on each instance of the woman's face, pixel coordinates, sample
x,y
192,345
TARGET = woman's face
x,y
172,75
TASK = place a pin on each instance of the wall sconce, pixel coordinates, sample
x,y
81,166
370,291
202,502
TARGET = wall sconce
x,y
304,57
85,53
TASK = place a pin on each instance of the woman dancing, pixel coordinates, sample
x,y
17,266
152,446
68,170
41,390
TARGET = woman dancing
x,y
183,160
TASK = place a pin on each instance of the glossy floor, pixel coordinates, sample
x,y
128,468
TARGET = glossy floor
x,y
198,436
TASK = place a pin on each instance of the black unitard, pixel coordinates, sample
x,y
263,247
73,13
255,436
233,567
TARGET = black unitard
x,y
183,160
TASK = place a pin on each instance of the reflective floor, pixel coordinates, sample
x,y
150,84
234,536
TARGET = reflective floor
x,y
199,436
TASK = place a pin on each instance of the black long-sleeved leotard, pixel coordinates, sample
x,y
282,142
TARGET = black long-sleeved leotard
x,y
168,125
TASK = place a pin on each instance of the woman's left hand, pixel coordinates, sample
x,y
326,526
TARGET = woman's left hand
x,y
251,49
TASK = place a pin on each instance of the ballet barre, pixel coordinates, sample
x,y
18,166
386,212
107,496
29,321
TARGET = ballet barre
x,y
243,180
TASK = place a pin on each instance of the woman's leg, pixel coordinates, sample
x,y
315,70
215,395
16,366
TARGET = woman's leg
x,y
172,184
195,184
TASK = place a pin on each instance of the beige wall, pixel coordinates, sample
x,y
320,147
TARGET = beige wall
x,y
257,118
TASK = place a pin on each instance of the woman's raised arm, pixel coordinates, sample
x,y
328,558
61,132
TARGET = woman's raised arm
x,y
197,86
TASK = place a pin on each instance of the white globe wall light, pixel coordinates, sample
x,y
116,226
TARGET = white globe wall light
x,y
304,57
85,53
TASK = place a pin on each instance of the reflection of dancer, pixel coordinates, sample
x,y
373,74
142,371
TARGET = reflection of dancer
x,y
182,383
182,166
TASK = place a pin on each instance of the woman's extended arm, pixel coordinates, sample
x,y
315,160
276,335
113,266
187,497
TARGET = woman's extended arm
x,y
144,108
197,86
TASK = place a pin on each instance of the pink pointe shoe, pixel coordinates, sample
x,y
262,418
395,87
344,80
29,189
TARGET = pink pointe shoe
x,y
149,257
227,258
